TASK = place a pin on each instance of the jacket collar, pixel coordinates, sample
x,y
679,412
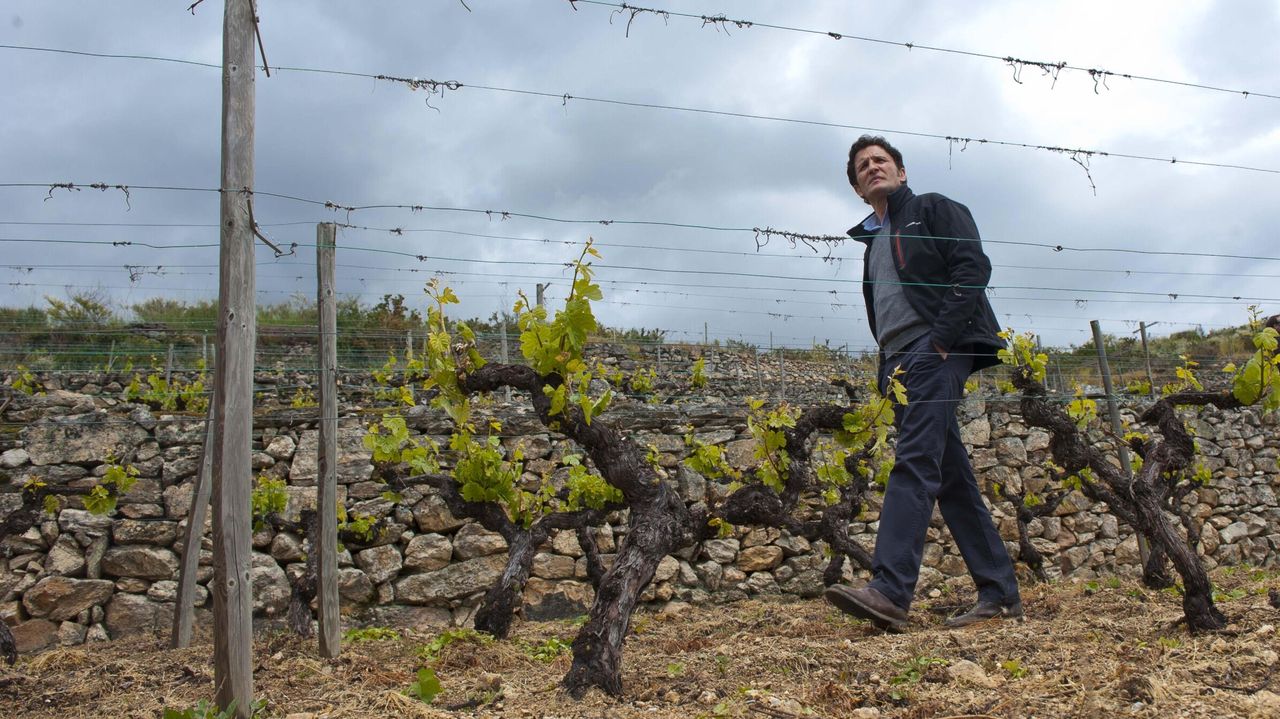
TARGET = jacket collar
x,y
897,199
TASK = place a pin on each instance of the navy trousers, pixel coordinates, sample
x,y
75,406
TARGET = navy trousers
x,y
933,466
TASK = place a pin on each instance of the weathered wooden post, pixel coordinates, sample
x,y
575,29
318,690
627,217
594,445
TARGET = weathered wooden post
x,y
233,374
1146,352
1113,413
327,477
184,607
502,324
782,376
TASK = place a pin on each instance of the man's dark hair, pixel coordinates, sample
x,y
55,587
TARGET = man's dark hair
x,y
863,143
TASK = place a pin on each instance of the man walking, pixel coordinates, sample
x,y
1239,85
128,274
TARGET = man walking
x,y
924,279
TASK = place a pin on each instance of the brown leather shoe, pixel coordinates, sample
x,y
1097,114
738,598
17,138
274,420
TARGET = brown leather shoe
x,y
867,603
983,611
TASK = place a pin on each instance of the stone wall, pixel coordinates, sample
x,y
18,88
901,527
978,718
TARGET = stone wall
x,y
77,577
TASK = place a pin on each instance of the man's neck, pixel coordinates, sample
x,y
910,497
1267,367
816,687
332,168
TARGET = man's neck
x,y
880,206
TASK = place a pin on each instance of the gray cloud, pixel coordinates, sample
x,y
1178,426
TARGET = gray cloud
x,y
356,140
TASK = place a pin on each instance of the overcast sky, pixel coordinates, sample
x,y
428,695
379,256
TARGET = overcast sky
x,y
358,141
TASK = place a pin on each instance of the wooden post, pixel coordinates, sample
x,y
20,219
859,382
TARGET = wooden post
x,y
168,367
502,323
1151,380
233,375
1113,410
184,609
327,478
782,378
111,355
705,335
408,343
204,349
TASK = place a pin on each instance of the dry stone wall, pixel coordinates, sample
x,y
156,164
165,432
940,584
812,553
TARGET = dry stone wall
x,y
78,577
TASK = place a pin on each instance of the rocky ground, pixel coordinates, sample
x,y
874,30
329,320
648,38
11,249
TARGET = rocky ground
x,y
1102,648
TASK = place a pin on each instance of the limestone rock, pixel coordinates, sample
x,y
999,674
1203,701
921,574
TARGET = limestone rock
x,y
566,543
174,430
270,586
1037,440
301,498
668,567
693,486
380,563
177,499
1011,450
807,584
427,553
65,557
546,599
710,573
80,438
78,520
760,558
535,446
432,515
967,672
455,581
132,531
287,547
140,561
762,583
354,460
166,591
793,546
132,585
14,458
552,566
181,462
758,536
34,635
282,447
60,598
722,551
976,433
1234,532
740,454
475,541
129,614
71,634
97,633
355,586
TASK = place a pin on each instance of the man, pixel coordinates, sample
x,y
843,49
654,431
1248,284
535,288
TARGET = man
x,y
924,278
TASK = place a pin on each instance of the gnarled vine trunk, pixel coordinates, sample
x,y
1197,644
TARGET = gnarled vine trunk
x,y
497,608
1141,502
659,524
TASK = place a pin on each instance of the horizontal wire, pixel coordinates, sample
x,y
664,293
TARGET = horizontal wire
x,y
725,273
765,233
664,248
440,86
503,280
1051,68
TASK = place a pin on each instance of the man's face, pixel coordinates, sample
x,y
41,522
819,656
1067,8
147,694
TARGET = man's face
x,y
877,173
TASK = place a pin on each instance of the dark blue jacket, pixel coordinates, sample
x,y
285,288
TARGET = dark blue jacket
x,y
943,270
